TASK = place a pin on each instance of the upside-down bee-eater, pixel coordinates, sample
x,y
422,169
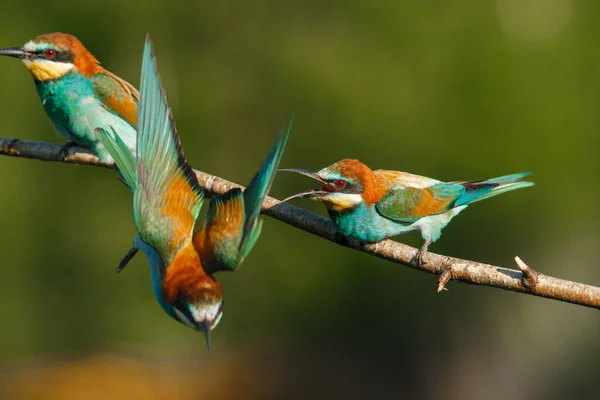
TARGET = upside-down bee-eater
x,y
183,249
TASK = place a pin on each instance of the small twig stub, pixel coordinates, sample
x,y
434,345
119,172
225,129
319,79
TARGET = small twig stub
x,y
529,277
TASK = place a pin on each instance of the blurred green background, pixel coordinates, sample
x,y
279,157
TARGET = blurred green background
x,y
454,90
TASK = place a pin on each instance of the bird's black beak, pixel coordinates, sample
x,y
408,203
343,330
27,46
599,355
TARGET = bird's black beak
x,y
15,52
314,194
205,327
130,254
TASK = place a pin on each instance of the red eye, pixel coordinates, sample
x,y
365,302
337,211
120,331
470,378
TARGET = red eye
x,y
340,183
49,53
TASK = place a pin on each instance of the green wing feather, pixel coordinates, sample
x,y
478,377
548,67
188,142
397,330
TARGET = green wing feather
x,y
117,94
231,226
124,159
409,204
257,190
165,180
223,228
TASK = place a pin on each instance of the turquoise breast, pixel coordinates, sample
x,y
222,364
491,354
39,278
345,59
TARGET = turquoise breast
x,y
365,223
62,99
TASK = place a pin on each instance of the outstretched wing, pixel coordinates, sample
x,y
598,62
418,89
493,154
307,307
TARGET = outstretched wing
x,y
231,226
167,199
117,94
257,190
218,238
412,197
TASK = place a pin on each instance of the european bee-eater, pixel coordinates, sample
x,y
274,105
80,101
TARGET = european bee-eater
x,y
77,94
375,205
184,251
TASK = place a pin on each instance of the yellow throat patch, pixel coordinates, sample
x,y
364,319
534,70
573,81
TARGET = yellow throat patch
x,y
43,70
342,202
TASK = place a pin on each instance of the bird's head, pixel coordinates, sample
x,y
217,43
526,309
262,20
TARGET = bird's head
x,y
53,55
343,185
201,310
194,297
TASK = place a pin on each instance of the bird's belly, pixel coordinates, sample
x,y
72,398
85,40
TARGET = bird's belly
x,y
368,226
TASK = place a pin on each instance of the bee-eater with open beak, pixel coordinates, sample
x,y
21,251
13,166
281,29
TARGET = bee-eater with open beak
x,y
375,205
184,251
77,94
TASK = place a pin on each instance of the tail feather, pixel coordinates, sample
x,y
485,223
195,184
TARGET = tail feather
x,y
503,189
503,180
481,190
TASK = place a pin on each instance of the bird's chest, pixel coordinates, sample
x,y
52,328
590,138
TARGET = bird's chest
x,y
363,223
64,100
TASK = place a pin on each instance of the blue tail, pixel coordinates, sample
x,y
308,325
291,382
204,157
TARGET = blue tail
x,y
481,190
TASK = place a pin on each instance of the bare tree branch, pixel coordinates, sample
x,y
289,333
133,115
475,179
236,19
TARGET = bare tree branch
x,y
525,281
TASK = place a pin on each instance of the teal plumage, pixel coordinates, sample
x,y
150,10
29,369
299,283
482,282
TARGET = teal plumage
x,y
231,243
77,94
166,203
376,205
183,249
75,111
400,204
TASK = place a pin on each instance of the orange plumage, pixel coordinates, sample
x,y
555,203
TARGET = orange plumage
x,y
84,61
123,103
356,170
186,277
178,193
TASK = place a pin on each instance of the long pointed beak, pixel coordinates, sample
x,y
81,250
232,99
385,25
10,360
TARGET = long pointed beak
x,y
205,327
306,172
311,194
15,52
130,254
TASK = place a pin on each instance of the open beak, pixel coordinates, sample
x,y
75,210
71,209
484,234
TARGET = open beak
x,y
314,194
15,52
205,327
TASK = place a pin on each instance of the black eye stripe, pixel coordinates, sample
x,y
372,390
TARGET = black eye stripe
x,y
180,305
60,55
350,187
64,56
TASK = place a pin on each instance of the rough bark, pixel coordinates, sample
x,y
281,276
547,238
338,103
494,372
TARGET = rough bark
x,y
525,280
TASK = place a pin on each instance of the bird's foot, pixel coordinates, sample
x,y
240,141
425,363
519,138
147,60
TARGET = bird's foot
x,y
418,258
64,151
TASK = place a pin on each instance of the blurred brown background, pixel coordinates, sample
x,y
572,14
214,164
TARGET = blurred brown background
x,y
453,90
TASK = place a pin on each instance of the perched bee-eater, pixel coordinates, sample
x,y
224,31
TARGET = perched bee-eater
x,y
184,250
375,205
77,94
